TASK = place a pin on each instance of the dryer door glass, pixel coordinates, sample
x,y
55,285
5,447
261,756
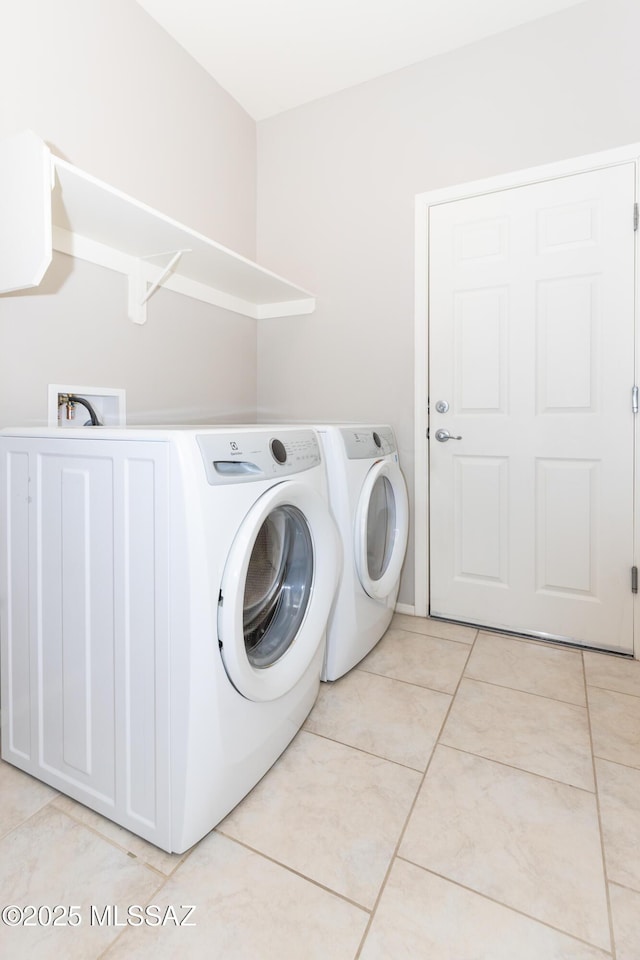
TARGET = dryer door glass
x,y
381,525
381,529
278,585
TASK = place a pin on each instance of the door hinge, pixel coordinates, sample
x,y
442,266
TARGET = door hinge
x,y
635,216
634,579
634,399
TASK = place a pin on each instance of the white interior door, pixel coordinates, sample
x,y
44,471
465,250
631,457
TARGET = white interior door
x,y
531,345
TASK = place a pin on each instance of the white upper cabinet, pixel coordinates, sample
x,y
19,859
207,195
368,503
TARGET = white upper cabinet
x,y
48,204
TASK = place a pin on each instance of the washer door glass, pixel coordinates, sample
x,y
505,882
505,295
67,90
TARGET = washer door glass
x,y
278,585
276,591
381,528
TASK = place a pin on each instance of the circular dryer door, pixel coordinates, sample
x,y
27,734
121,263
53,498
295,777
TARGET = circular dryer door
x,y
277,589
381,529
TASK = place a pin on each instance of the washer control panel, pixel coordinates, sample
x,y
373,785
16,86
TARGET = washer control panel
x,y
250,455
368,443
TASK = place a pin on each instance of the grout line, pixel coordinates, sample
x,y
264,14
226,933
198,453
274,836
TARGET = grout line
x,y
31,815
114,843
367,753
619,763
408,683
292,870
105,952
450,746
71,815
434,636
623,693
512,766
599,816
394,855
529,693
625,886
505,906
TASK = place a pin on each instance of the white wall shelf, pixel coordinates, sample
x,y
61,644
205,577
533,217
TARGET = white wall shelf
x,y
48,204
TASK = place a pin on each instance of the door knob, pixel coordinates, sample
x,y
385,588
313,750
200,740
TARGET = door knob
x,y
444,435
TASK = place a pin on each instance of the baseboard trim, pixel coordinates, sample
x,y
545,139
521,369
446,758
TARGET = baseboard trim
x,y
407,608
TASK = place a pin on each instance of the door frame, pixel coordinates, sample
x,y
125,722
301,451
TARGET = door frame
x,y
463,191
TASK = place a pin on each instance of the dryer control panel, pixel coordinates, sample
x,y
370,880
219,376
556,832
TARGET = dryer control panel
x,y
247,456
368,443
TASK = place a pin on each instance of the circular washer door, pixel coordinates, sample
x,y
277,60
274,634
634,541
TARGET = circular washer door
x,y
277,589
381,529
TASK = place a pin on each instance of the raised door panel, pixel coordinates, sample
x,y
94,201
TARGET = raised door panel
x,y
142,654
75,620
568,333
480,331
567,517
480,519
16,623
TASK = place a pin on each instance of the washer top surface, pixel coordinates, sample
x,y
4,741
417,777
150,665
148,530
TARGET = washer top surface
x,y
156,432
230,453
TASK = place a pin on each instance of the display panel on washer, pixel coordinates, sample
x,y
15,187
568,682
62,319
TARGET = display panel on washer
x,y
249,456
278,585
364,443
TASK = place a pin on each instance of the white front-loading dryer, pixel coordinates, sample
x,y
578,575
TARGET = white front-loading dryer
x,y
164,593
368,498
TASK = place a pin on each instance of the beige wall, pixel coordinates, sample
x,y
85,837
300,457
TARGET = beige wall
x,y
110,91
337,180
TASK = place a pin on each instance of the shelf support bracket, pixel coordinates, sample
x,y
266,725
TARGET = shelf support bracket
x,y
139,294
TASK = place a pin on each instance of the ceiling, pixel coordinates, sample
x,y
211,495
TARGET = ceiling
x,y
271,55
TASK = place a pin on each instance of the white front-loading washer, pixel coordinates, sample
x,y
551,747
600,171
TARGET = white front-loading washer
x,y
368,498
164,595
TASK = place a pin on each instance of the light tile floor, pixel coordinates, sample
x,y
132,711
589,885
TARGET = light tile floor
x,y
460,795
